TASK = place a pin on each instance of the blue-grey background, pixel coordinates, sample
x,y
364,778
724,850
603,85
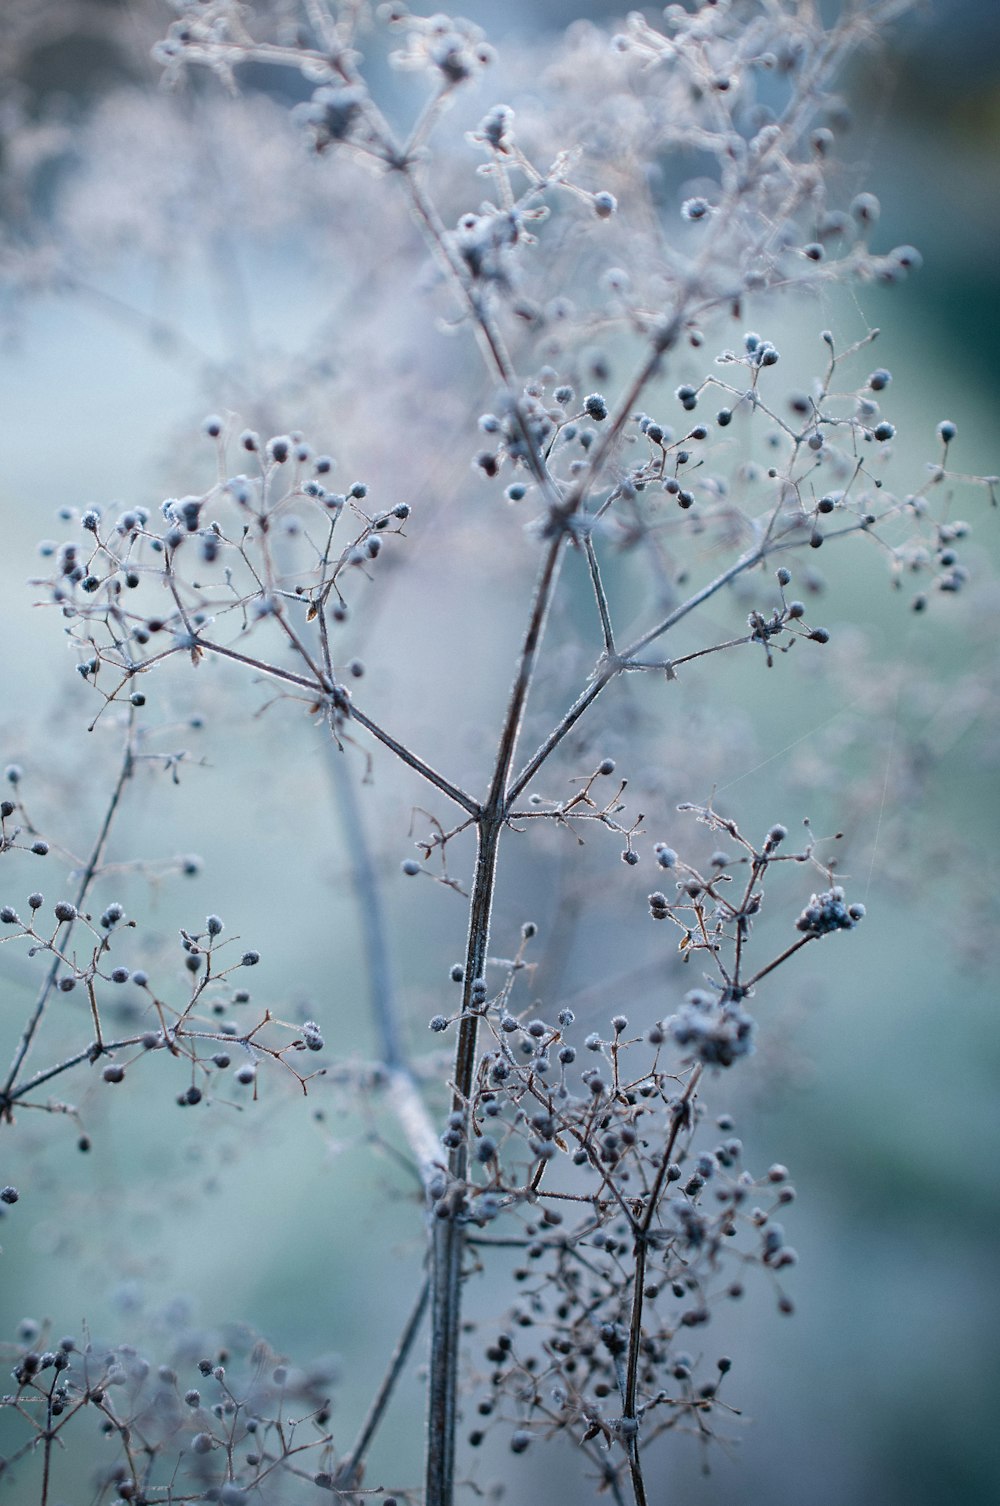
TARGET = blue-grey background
x,y
148,283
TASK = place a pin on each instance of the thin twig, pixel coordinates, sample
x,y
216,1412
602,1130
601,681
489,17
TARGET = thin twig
x,y
680,1119
347,1474
126,768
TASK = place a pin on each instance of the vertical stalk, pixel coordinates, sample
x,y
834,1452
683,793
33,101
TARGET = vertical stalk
x,y
641,1231
448,1231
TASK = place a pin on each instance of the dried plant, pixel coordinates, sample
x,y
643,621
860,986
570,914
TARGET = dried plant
x,y
594,1159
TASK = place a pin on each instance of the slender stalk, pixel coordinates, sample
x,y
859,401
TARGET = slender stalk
x,y
348,1471
608,668
600,597
320,690
788,952
447,1237
453,791
745,562
46,1453
125,771
639,1280
584,700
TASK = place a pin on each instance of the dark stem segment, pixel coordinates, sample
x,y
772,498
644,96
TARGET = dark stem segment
x,y
447,1235
680,1119
442,1420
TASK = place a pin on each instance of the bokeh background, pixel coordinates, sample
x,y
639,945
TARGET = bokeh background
x,y
167,258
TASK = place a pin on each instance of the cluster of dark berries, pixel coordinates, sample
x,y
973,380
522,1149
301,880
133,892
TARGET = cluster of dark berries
x,y
827,912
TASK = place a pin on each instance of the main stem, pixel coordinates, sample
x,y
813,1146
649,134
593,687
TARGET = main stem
x,y
448,1231
448,1228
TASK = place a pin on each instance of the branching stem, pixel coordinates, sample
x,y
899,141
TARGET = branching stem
x,y
125,771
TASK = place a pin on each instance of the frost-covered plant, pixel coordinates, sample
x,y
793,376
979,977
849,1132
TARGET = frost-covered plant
x,y
633,1216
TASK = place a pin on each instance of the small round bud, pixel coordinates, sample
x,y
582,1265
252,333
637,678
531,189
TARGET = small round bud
x,y
907,257
312,1035
865,209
